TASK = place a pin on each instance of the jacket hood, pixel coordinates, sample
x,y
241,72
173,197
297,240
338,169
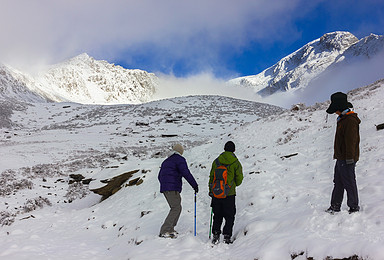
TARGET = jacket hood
x,y
227,158
352,115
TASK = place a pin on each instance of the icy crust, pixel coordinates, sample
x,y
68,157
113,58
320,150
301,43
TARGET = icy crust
x,y
288,172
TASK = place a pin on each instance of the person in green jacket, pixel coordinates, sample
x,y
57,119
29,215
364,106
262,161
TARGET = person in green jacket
x,y
225,208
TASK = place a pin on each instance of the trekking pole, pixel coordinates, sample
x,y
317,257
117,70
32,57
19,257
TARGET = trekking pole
x,y
195,213
210,225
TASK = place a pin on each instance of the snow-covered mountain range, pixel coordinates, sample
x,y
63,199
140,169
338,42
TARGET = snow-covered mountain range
x,y
81,79
318,59
337,60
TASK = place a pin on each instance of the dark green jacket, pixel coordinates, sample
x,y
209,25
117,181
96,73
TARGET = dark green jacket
x,y
235,171
347,138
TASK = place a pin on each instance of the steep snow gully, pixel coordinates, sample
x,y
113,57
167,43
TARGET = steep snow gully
x,y
280,205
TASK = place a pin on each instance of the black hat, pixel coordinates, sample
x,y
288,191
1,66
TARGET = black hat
x,y
338,103
229,147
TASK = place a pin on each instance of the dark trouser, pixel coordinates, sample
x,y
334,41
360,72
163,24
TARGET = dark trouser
x,y
174,201
344,179
223,208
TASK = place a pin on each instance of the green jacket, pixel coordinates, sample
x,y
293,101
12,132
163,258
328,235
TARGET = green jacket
x,y
235,171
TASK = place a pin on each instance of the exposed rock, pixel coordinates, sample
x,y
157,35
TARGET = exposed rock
x,y
78,178
168,135
288,156
143,213
380,127
136,182
113,185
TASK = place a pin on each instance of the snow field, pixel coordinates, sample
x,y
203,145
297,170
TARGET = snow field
x,y
280,205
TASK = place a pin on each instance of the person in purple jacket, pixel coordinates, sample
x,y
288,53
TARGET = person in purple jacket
x,y
170,177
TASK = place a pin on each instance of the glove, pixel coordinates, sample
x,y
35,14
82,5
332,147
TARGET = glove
x,y
350,161
196,189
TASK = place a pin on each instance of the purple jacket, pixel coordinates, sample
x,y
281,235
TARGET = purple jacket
x,y
171,172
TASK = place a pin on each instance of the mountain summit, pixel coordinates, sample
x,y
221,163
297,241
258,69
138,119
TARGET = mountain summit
x,y
86,80
297,70
81,79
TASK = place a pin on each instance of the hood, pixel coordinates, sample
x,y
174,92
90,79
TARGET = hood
x,y
351,115
227,158
354,115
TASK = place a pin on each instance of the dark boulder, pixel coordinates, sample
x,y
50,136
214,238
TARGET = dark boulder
x,y
114,184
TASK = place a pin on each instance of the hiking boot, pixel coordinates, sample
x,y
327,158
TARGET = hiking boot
x,y
332,210
353,210
216,239
227,239
169,235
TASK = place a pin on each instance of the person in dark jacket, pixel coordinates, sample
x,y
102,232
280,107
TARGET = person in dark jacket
x,y
172,170
346,153
225,208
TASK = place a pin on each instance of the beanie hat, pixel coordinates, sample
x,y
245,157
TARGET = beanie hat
x,y
338,103
229,147
178,148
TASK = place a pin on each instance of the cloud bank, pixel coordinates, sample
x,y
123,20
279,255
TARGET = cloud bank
x,y
196,36
196,33
201,84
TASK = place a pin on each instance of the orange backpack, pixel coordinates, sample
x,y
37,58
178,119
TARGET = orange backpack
x,y
219,186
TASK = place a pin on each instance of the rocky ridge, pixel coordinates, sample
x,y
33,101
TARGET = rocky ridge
x,y
297,70
81,79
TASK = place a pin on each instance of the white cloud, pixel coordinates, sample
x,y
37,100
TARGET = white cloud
x,y
201,84
196,30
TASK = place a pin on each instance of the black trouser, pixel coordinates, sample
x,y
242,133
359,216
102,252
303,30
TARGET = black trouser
x,y
344,179
223,208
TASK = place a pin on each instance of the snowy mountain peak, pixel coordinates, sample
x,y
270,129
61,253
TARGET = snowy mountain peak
x,y
86,80
367,47
297,70
83,79
338,40
83,56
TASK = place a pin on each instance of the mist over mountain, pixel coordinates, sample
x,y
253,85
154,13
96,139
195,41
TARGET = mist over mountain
x,y
18,86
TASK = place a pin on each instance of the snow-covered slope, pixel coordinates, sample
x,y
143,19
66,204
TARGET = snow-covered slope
x,y
321,56
280,205
81,79
15,85
85,80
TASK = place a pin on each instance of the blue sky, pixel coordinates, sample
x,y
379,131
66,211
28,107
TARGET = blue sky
x,y
226,38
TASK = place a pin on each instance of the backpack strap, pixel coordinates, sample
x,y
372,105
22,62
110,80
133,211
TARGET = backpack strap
x,y
218,162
